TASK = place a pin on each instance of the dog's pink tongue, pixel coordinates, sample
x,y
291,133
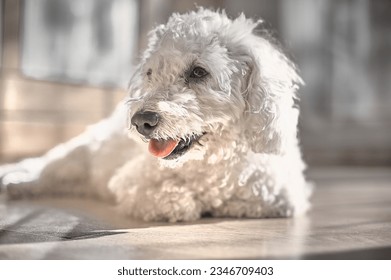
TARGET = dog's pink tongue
x,y
162,148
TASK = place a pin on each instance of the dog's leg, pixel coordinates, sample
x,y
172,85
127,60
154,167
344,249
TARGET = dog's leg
x,y
144,191
262,199
80,166
65,165
169,202
268,187
279,206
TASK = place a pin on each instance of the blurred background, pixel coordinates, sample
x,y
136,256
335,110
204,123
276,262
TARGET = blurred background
x,y
66,63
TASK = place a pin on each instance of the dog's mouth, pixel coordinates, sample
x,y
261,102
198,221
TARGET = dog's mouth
x,y
170,148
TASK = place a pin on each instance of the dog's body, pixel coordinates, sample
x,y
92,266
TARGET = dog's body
x,y
215,103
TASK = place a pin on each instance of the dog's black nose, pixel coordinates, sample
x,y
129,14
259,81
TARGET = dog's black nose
x,y
145,122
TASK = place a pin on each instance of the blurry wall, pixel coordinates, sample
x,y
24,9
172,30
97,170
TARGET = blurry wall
x,y
65,67
343,49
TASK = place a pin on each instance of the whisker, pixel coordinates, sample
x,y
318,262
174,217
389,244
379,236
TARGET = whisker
x,y
132,99
198,142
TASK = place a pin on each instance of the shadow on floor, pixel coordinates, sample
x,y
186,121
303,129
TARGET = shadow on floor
x,y
31,229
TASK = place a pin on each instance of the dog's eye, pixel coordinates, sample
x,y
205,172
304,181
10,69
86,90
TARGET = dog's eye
x,y
198,73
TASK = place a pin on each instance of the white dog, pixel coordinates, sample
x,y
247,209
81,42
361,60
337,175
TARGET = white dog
x,y
214,106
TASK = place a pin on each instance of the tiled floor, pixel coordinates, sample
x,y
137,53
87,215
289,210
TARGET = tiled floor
x,y
350,219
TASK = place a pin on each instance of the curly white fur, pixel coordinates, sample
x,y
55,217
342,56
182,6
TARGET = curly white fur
x,y
246,164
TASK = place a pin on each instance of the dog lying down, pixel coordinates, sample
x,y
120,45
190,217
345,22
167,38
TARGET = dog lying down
x,y
212,121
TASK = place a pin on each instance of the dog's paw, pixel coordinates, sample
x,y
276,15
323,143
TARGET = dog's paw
x,y
16,179
166,203
172,210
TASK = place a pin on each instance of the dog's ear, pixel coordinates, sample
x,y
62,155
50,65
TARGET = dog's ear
x,y
271,83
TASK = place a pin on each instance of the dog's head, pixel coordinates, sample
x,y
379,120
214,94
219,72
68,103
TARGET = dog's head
x,y
206,78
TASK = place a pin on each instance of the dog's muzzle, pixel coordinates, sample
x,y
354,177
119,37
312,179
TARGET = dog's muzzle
x,y
146,123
